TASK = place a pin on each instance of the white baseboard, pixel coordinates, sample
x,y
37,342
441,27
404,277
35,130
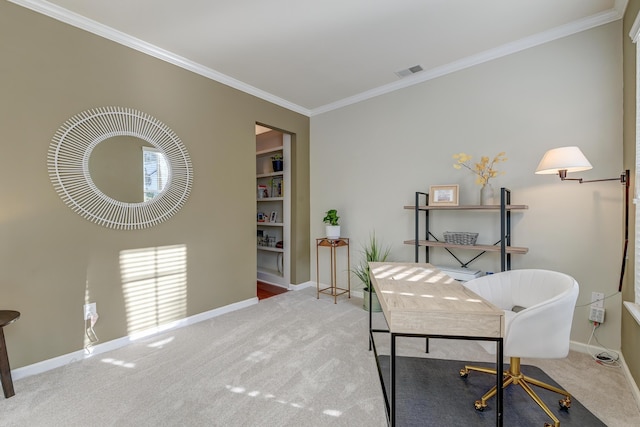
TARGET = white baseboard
x,y
65,359
590,349
301,286
584,348
632,384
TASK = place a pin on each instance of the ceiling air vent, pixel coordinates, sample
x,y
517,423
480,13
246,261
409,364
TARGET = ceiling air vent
x,y
409,71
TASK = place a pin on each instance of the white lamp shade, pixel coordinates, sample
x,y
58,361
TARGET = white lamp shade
x,y
570,159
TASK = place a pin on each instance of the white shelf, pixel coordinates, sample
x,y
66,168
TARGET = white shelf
x,y
269,249
269,151
268,175
270,199
270,224
269,271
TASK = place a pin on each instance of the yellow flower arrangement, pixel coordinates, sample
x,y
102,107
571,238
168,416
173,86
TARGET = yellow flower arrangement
x,y
484,169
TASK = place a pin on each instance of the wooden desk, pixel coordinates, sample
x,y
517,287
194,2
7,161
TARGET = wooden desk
x,y
6,317
418,300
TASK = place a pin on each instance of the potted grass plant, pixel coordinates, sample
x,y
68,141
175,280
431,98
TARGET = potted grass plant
x,y
372,251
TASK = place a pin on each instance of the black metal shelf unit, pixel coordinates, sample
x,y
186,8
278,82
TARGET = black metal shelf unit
x,y
503,245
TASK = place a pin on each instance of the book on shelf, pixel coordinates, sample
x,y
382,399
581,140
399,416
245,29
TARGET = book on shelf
x,y
276,186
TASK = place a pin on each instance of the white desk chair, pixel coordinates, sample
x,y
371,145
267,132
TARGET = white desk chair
x,y
538,307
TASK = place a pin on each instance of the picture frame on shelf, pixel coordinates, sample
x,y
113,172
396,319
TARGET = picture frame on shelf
x,y
274,216
444,195
261,217
263,192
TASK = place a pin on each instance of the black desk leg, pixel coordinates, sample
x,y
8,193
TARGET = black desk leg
x,y
370,312
499,371
392,379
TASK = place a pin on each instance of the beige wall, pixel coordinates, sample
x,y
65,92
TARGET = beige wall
x,y
630,328
567,92
51,259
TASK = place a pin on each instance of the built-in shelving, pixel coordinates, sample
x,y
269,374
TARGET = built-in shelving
x,y
273,261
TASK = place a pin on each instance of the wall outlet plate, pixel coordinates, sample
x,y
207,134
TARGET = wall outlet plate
x,y
597,299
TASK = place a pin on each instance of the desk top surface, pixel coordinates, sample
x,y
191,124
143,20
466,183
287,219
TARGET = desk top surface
x,y
417,298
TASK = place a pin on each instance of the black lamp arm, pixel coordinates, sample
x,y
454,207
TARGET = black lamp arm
x,y
623,178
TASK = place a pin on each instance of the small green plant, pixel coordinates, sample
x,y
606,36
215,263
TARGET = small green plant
x,y
331,217
276,157
373,251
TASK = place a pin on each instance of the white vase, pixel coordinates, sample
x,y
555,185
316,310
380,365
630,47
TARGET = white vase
x,y
333,231
487,195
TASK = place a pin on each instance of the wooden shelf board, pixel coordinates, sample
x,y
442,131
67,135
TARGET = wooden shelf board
x,y
488,248
467,207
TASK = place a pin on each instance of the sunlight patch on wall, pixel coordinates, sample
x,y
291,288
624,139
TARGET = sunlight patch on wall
x,y
154,284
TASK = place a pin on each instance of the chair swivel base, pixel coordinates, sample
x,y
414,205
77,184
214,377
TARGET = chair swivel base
x,y
515,376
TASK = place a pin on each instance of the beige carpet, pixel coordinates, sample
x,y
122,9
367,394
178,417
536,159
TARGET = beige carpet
x,y
291,360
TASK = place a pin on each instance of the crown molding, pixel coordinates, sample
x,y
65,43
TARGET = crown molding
x,y
79,21
488,55
84,23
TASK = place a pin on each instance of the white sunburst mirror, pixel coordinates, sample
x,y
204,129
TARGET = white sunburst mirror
x,y
68,164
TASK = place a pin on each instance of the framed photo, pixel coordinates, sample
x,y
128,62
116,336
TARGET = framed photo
x,y
443,195
274,216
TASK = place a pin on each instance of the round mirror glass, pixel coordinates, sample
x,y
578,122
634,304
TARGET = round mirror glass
x,y
125,168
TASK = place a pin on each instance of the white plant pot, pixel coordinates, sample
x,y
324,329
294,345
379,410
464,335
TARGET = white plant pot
x,y
333,231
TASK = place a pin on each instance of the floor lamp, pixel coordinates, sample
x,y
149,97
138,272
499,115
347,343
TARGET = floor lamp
x,y
570,159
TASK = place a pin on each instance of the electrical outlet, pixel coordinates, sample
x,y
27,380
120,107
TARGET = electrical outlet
x,y
596,314
597,299
90,310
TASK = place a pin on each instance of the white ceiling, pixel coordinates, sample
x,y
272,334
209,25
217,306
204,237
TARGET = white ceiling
x,y
315,56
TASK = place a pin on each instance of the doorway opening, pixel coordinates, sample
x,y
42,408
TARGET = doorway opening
x,y
273,210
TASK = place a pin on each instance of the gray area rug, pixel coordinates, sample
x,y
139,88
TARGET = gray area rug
x,y
430,392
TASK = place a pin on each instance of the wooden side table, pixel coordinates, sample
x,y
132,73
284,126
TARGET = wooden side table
x,y
333,288
6,318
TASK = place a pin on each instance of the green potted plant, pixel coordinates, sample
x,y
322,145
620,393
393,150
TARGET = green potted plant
x,y
277,162
333,228
373,251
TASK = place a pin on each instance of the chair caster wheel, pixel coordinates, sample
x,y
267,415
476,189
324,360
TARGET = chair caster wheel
x,y
464,373
479,406
565,403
